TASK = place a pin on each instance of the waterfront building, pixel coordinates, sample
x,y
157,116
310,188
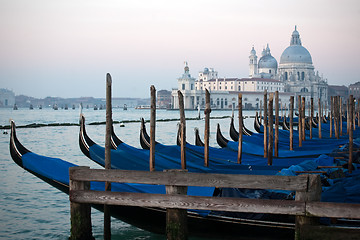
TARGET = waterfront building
x,y
7,98
163,99
294,75
354,89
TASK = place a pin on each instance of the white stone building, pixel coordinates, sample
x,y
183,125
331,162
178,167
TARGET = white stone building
x,y
294,75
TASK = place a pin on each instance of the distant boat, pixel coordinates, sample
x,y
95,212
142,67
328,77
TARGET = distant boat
x,y
15,107
143,107
66,107
55,107
73,106
95,107
125,107
40,106
31,107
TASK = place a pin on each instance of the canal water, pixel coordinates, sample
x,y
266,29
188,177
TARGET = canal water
x,y
32,209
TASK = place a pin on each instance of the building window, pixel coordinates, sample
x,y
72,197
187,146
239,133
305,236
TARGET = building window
x,y
225,101
217,102
192,86
298,75
239,88
269,70
183,86
302,76
286,76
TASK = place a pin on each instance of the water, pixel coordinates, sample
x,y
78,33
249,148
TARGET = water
x,y
31,208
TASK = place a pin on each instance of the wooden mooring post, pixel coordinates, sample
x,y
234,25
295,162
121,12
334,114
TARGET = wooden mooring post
x,y
80,214
176,219
331,114
182,129
240,129
276,154
303,118
271,129
311,116
207,112
299,121
291,122
265,123
320,119
107,217
351,140
152,127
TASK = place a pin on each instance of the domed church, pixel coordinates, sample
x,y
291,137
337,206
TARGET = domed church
x,y
295,70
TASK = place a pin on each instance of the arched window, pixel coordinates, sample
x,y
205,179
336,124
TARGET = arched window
x,y
302,76
304,90
298,75
286,76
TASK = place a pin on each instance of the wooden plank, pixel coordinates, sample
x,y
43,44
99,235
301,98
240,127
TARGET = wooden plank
x,y
296,183
333,210
190,202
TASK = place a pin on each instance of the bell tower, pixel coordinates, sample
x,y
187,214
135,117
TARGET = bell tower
x,y
253,65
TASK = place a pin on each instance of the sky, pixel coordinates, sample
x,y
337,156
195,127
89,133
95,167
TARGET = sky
x,y
65,48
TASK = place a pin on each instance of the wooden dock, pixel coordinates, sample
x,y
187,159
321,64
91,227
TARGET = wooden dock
x,y
306,206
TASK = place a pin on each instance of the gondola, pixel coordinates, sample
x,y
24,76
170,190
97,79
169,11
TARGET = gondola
x,y
235,134
168,157
257,124
211,225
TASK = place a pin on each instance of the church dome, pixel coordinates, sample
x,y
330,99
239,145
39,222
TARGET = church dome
x,y
267,61
295,53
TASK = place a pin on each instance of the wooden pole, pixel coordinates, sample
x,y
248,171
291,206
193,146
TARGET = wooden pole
x,y
291,122
341,115
176,219
271,129
336,116
80,213
313,193
320,118
260,111
207,112
351,104
331,114
276,124
311,116
303,118
240,129
358,111
299,121
347,117
152,127
183,129
107,217
265,124
353,112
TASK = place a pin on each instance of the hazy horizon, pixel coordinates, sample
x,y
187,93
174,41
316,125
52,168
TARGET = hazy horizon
x,y
65,48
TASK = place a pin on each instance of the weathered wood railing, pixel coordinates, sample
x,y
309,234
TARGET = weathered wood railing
x,y
305,207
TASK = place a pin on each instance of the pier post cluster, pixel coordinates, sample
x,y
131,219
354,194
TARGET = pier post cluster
x,y
306,206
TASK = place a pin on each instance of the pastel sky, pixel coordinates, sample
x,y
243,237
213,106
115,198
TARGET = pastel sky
x,y
65,48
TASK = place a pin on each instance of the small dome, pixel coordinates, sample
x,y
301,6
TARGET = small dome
x,y
295,54
206,70
253,52
267,61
